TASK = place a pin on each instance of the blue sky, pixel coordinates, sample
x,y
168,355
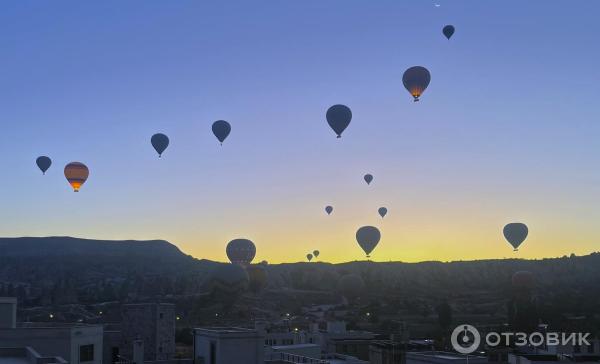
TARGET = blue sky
x,y
507,130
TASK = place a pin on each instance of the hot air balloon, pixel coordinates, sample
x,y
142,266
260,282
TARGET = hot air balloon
x,y
523,280
328,209
76,174
415,80
338,118
43,163
316,253
515,233
368,178
258,277
448,31
241,251
382,212
368,238
309,257
351,285
160,142
221,130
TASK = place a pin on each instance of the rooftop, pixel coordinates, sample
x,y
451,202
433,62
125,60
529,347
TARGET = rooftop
x,y
26,355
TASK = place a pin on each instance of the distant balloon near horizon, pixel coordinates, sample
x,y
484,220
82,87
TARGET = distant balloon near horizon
x,y
415,80
382,212
448,31
76,173
309,257
368,237
338,118
221,130
515,233
160,142
368,178
241,251
328,209
43,163
316,253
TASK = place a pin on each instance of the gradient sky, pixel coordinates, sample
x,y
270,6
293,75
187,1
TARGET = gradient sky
x,y
508,129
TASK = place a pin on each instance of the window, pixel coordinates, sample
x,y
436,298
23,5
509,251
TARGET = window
x,y
86,353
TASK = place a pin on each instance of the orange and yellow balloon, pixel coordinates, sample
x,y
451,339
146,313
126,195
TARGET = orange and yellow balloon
x,y
76,174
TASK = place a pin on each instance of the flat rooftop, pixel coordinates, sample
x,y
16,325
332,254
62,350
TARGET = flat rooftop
x,y
295,346
226,330
443,355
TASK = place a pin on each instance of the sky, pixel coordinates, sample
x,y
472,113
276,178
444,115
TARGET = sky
x,y
507,131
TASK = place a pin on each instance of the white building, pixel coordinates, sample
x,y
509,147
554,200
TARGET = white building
x,y
228,345
75,343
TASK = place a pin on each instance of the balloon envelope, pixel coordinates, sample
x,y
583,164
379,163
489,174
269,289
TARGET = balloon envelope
x,y
43,163
368,237
309,257
241,251
76,174
221,130
368,178
316,253
515,233
382,212
415,80
329,210
338,118
448,31
160,142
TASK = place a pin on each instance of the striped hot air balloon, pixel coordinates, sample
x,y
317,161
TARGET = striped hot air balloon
x,y
76,174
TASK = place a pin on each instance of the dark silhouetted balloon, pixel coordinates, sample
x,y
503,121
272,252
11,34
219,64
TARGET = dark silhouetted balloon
x,y
368,178
316,253
351,285
448,31
309,257
338,118
241,251
258,277
160,142
329,209
523,280
221,130
76,174
43,163
368,238
382,212
415,80
515,233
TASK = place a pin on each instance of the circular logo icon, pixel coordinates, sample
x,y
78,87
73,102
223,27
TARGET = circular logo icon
x,y
465,339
